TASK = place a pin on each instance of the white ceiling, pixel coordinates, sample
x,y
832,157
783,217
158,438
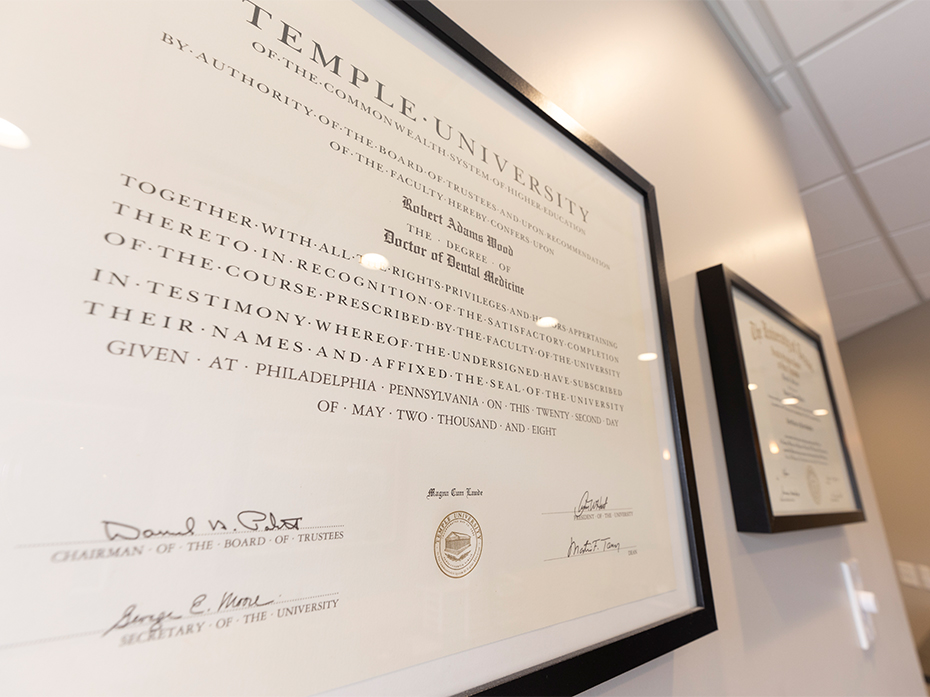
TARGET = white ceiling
x,y
853,80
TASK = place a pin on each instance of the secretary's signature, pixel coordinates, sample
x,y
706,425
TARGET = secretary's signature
x,y
133,618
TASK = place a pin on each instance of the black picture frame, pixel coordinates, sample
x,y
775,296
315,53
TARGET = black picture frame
x,y
298,434
579,671
749,487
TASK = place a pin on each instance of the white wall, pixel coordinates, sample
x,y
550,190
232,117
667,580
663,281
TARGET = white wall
x,y
657,83
889,377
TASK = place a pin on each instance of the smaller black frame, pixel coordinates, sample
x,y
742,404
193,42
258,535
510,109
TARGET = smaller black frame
x,y
749,486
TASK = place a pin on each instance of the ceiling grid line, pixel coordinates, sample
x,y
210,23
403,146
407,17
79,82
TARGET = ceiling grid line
x,y
747,54
859,244
853,293
763,15
819,185
892,155
851,29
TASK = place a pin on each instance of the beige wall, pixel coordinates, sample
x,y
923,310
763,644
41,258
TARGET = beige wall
x,y
888,368
659,85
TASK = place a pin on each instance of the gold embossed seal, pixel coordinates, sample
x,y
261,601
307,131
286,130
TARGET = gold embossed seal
x,y
813,484
457,544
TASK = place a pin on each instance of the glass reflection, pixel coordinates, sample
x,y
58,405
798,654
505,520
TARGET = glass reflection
x,y
373,261
12,136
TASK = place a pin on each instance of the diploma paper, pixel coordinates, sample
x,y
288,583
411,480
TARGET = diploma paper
x,y
235,460
805,467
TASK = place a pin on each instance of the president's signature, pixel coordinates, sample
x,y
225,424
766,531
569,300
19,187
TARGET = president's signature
x,y
589,505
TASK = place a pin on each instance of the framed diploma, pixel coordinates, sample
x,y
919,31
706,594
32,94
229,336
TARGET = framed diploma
x,y
335,358
786,455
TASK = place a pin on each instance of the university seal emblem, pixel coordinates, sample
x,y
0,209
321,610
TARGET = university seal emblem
x,y
813,484
457,544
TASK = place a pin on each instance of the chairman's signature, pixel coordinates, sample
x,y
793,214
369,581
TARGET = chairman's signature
x,y
123,531
250,520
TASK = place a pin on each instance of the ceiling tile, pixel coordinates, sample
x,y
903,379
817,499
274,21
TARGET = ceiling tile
x,y
745,20
806,24
857,311
914,245
836,216
898,187
811,155
864,266
844,331
923,282
873,84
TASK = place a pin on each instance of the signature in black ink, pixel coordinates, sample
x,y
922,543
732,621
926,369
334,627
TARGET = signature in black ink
x,y
594,546
122,531
588,505
597,546
131,618
250,520
231,601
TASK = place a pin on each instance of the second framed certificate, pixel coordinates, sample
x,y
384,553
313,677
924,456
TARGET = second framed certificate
x,y
787,459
